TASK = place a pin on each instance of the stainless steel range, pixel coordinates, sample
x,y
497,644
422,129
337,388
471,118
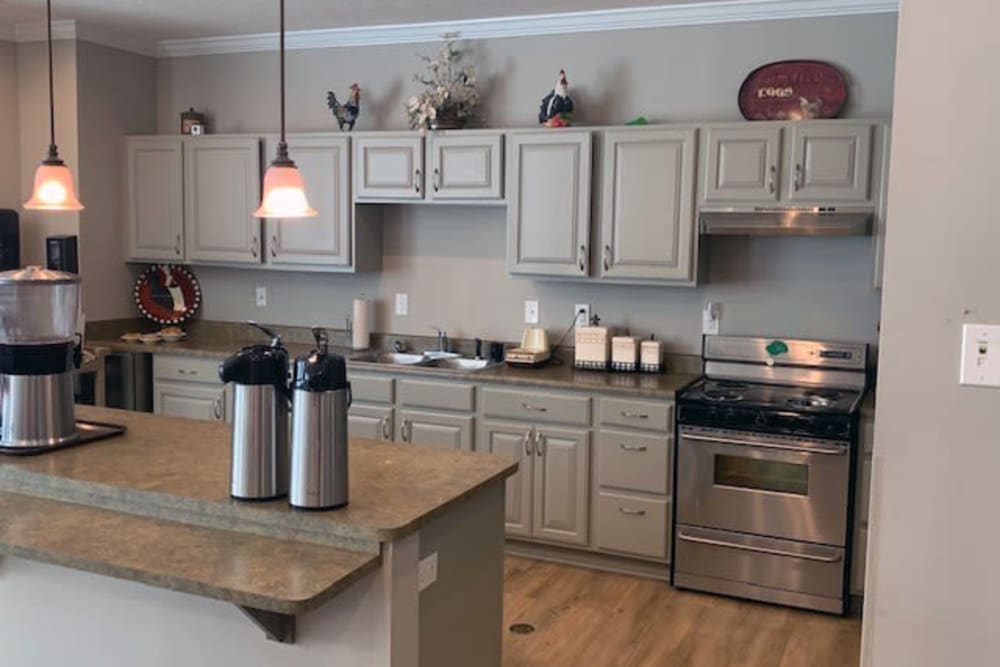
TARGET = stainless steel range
x,y
765,452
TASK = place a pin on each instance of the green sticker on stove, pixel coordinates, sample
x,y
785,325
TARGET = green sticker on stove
x,y
776,347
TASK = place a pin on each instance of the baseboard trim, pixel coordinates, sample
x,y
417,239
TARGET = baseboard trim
x,y
588,559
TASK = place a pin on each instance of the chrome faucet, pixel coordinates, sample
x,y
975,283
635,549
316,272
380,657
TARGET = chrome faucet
x,y
442,339
399,346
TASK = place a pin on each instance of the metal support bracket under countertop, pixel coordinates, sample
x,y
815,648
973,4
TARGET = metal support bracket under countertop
x,y
277,627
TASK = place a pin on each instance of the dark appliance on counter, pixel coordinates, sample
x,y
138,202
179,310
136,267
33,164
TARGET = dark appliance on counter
x,y
10,240
61,254
764,475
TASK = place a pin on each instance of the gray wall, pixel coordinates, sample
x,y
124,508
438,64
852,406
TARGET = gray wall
x,y
10,174
932,585
450,260
116,97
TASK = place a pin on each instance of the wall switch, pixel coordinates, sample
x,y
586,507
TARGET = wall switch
x,y
427,571
710,317
582,318
402,304
261,296
980,355
531,312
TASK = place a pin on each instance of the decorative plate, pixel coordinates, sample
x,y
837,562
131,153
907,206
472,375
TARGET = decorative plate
x,y
793,90
167,294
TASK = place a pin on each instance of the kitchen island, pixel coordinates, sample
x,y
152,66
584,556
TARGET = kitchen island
x,y
83,527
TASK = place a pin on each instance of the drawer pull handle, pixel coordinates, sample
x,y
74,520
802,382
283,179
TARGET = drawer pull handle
x,y
416,181
534,408
539,444
528,437
217,408
631,512
386,430
633,448
761,550
634,415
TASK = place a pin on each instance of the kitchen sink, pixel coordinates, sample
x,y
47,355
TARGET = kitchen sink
x,y
451,362
395,358
460,364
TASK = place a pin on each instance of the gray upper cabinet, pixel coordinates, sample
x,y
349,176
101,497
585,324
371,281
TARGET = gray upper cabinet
x,y
221,192
325,240
388,165
831,162
548,196
466,165
155,198
647,216
741,164
513,441
562,485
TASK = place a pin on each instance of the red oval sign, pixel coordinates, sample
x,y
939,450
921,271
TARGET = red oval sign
x,y
793,90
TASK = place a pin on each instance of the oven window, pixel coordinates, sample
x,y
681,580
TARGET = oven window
x,y
760,474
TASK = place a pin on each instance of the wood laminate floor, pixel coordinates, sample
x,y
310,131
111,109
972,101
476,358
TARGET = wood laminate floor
x,y
594,619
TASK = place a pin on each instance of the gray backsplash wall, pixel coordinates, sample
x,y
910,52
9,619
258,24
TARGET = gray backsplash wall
x,y
450,259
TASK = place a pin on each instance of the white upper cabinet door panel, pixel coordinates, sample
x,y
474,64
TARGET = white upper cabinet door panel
x,y
549,203
647,217
466,165
155,198
325,239
831,162
389,166
742,164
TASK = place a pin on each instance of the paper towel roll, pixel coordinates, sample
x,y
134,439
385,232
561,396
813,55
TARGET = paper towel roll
x,y
361,325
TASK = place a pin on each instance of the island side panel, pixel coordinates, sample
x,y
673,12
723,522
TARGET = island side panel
x,y
461,614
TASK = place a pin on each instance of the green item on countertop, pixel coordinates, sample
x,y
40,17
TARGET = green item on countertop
x,y
638,120
776,347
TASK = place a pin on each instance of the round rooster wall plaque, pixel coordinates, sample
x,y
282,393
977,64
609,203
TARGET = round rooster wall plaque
x,y
793,90
167,294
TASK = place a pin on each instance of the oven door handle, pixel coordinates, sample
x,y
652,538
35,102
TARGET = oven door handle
x,y
762,550
838,450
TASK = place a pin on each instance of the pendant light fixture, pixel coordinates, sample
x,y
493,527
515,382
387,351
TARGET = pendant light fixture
x,y
284,191
53,180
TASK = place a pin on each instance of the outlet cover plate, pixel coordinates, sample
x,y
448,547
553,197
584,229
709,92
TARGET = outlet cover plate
x,y
402,304
531,312
980,355
427,571
260,296
582,320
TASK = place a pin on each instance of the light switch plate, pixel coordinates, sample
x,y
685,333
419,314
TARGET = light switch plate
x,y
710,317
402,304
980,355
427,571
531,312
260,296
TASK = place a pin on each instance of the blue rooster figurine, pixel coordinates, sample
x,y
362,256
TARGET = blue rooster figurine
x,y
347,113
557,106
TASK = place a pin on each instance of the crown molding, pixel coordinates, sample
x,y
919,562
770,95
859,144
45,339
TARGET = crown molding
x,y
70,29
722,11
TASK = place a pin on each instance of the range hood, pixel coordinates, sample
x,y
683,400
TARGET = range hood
x,y
811,221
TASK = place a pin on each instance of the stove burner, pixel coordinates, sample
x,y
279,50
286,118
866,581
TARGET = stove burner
x,y
831,395
723,395
811,400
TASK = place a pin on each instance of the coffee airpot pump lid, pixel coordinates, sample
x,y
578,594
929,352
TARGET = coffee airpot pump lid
x,y
258,364
320,370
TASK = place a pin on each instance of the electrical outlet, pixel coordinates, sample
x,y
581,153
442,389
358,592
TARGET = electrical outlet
x,y
261,296
710,318
980,355
531,312
402,304
427,571
582,313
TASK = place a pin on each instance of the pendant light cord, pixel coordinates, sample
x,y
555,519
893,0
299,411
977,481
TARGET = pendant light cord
x,y
53,151
282,157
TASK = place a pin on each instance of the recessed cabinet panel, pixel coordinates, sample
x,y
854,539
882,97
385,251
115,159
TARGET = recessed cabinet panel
x,y
155,198
370,421
831,162
435,429
647,217
742,164
549,203
514,442
562,485
221,192
466,165
389,167
189,400
324,163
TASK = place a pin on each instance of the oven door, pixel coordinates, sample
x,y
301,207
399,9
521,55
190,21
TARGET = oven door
x,y
778,486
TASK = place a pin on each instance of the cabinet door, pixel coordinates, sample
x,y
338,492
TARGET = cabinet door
x,y
155,198
831,162
741,164
562,485
324,240
647,211
389,167
513,441
370,421
221,192
548,212
436,429
189,399
466,165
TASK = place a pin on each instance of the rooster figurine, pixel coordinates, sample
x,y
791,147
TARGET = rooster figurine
x,y
557,106
347,113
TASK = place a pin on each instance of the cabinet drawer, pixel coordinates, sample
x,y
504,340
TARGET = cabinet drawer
x,y
432,394
648,415
371,388
633,461
536,407
632,525
186,369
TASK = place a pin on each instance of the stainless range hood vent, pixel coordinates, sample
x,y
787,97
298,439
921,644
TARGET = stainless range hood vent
x,y
812,221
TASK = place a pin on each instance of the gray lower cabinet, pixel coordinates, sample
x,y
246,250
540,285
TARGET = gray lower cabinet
x,y
190,388
632,524
373,422
514,441
438,429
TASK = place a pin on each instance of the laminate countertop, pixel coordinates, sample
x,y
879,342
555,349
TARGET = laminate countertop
x,y
153,505
552,376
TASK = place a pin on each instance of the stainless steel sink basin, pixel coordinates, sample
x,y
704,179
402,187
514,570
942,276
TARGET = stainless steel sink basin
x,y
460,364
452,363
395,358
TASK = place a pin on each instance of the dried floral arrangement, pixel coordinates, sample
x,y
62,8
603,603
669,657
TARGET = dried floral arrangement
x,y
449,98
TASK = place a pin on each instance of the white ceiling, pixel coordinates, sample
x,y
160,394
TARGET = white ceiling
x,y
156,20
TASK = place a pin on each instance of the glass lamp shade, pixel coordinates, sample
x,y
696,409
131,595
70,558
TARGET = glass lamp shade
x,y
53,189
284,194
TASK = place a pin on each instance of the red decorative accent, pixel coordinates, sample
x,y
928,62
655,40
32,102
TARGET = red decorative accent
x,y
793,90
167,294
